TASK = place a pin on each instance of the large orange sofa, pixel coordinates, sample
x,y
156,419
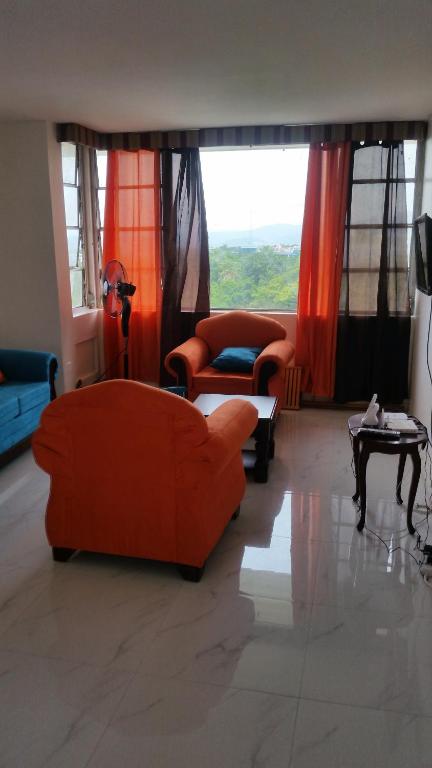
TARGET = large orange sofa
x,y
140,472
190,362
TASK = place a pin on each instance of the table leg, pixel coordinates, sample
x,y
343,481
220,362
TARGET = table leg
x,y
413,488
362,464
262,449
272,442
356,452
400,472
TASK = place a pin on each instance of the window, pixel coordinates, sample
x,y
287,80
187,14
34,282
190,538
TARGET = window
x,y
254,204
379,180
84,197
74,222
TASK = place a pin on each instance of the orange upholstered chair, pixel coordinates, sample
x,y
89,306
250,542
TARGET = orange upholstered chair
x,y
140,472
190,362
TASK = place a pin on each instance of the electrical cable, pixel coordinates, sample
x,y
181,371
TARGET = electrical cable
x,y
404,532
102,376
427,362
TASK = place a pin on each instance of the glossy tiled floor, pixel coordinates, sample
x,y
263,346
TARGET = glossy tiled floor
x,y
305,644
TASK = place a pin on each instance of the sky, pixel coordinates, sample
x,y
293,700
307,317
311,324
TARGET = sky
x,y
248,188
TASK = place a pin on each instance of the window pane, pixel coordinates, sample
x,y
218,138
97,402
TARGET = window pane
x,y
410,201
71,206
136,208
73,238
69,163
398,292
101,159
370,163
363,289
365,248
76,280
367,203
135,168
410,151
101,198
254,202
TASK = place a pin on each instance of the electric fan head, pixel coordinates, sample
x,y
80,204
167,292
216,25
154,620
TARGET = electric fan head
x,y
115,288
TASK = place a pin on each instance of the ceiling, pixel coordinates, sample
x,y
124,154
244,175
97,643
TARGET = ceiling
x,y
158,64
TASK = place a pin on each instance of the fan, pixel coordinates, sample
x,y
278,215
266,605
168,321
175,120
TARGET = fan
x,y
115,296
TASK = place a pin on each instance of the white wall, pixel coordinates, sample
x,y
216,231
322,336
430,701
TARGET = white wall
x,y
29,307
421,387
36,309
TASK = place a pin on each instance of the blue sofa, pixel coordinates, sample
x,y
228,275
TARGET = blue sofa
x,y
27,389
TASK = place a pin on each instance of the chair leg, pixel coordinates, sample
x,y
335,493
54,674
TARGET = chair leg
x,y
236,513
191,572
62,554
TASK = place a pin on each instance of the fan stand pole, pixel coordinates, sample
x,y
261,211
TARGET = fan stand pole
x,y
125,316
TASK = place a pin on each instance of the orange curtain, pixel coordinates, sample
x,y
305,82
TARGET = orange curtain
x,y
321,265
132,235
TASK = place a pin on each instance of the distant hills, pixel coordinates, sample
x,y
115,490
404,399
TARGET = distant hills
x,y
270,234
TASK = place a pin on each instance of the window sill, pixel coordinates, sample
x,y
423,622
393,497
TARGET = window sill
x,y
80,311
290,312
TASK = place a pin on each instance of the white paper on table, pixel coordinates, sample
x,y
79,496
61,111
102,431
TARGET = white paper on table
x,y
403,425
395,416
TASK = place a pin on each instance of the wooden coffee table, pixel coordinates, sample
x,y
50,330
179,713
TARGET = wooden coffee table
x,y
263,432
363,447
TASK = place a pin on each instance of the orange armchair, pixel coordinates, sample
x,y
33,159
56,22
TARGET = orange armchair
x,y
190,362
140,472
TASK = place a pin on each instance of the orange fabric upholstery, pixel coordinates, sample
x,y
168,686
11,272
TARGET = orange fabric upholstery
x,y
190,361
138,471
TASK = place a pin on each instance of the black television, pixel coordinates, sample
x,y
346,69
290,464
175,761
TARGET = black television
x,y
423,253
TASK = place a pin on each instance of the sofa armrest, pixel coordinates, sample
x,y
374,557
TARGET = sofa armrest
x,y
185,361
273,359
229,427
51,443
28,365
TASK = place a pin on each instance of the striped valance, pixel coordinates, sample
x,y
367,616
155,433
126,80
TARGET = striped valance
x,y
253,135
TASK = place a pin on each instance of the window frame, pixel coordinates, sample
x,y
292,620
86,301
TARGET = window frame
x,y
88,227
348,227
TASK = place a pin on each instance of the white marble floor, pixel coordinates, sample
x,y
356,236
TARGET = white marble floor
x,y
306,643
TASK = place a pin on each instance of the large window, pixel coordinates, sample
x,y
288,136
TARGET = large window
x,y
84,179
254,204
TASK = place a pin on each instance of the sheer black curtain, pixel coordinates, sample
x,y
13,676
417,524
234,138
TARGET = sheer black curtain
x,y
185,253
374,321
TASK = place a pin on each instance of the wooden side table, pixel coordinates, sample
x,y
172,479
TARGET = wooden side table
x,y
363,447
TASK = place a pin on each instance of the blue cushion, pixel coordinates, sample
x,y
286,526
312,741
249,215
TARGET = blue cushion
x,y
9,407
236,359
28,395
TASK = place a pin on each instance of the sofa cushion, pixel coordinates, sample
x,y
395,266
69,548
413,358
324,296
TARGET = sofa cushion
x,y
28,394
19,428
9,406
211,381
236,359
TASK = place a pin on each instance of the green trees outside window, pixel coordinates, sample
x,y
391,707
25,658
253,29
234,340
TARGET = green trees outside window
x,y
254,278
